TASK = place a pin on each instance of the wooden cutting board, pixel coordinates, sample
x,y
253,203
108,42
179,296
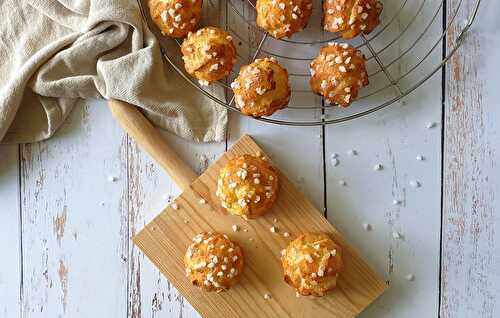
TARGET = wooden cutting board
x,y
165,240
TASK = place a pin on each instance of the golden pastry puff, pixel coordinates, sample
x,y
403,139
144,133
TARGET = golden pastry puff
x,y
282,18
311,264
208,54
351,17
175,18
247,186
261,88
213,262
337,73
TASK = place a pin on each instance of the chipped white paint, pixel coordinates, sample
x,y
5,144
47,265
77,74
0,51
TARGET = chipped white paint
x,y
390,138
10,263
471,188
74,250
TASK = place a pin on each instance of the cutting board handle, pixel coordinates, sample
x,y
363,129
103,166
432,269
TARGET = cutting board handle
x,y
150,140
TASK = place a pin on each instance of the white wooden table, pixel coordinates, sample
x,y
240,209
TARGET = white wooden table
x,y
65,228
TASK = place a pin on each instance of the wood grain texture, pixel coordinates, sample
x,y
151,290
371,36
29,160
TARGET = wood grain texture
x,y
10,233
471,188
74,231
150,189
393,138
166,238
149,138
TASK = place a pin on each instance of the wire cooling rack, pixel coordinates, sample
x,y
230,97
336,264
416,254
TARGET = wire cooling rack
x,y
403,52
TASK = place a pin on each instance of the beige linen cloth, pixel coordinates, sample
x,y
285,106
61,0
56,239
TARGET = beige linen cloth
x,y
55,53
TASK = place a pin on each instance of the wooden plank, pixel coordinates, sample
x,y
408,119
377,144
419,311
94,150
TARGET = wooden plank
x,y
10,233
75,220
471,188
150,188
166,238
284,144
393,138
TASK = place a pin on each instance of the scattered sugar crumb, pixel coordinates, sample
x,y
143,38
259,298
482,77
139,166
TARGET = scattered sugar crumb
x,y
286,234
396,235
267,296
273,229
334,162
186,221
203,201
112,179
396,202
235,228
101,203
415,183
342,183
245,230
367,226
352,152
334,155
297,294
275,220
420,158
430,125
378,167
250,239
410,277
174,206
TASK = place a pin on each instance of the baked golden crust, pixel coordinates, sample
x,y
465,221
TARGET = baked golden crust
x,y
247,186
311,264
282,18
261,88
208,54
337,73
175,18
213,262
351,17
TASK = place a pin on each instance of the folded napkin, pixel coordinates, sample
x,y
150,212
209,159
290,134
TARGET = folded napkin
x,y
55,53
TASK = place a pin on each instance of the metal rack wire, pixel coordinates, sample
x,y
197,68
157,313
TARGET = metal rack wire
x,y
402,54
